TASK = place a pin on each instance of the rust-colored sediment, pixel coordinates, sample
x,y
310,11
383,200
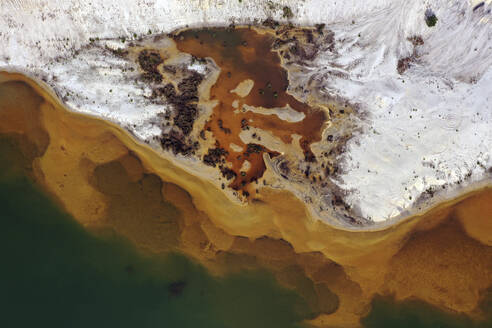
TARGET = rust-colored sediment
x,y
100,175
244,54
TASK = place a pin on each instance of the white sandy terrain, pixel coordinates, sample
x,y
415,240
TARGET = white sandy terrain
x,y
427,130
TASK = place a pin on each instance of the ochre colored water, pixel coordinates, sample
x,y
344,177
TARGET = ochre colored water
x,y
244,54
105,179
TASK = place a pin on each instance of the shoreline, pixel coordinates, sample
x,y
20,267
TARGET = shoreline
x,y
446,198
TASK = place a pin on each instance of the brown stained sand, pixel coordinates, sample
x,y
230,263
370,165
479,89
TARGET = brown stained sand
x,y
107,180
243,54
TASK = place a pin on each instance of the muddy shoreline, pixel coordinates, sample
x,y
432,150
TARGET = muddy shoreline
x,y
234,155
447,197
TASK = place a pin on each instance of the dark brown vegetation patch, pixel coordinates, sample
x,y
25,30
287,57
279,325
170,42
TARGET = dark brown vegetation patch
x,y
403,64
176,142
184,102
215,156
148,61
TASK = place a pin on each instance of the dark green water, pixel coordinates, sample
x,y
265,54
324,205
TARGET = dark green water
x,y
55,274
415,314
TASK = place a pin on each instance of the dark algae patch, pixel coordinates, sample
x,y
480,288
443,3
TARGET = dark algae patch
x,y
56,274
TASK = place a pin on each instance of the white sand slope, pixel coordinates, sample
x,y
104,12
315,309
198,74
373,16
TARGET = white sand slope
x,y
428,129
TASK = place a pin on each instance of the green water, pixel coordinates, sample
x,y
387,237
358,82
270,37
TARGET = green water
x,y
54,273
415,314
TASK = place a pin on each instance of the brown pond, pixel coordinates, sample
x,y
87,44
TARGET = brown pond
x,y
242,54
